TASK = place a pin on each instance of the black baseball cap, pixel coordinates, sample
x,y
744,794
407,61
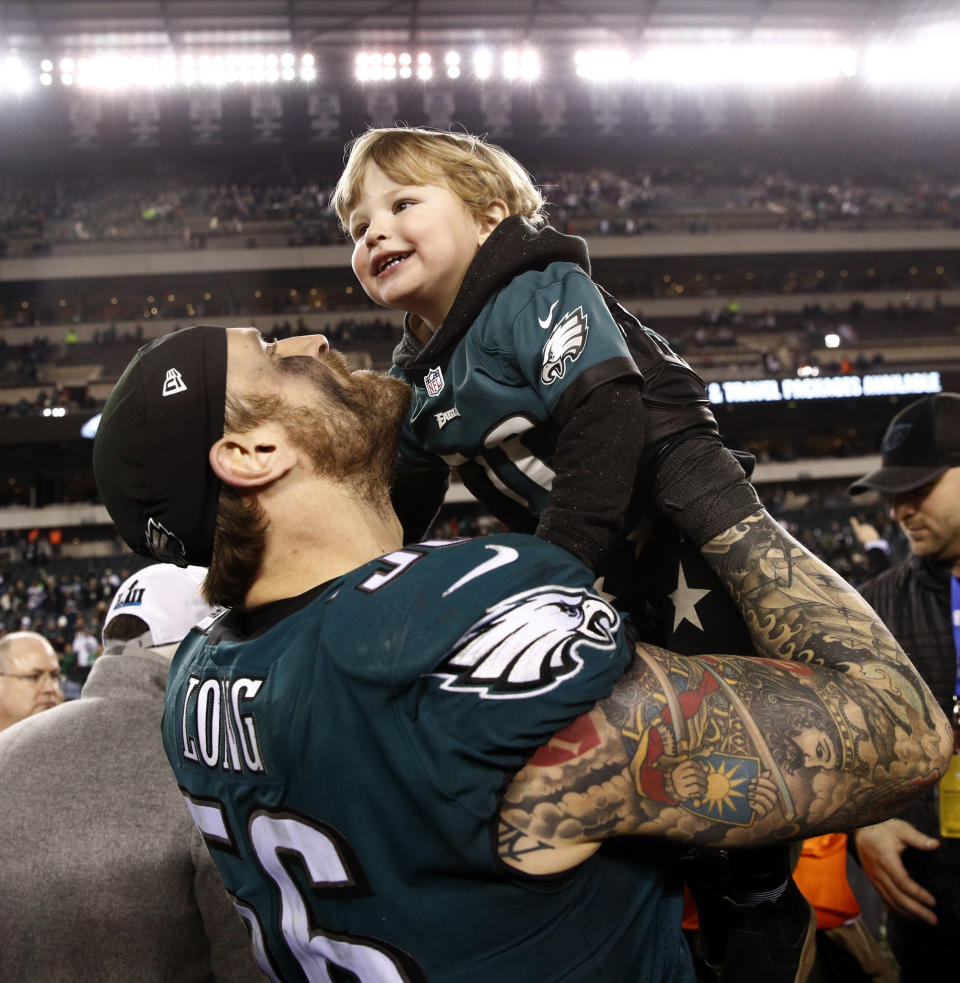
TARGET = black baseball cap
x,y
921,443
151,451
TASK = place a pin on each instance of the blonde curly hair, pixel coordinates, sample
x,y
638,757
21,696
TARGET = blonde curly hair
x,y
476,171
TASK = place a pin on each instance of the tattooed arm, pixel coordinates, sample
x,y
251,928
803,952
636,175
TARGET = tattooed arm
x,y
831,729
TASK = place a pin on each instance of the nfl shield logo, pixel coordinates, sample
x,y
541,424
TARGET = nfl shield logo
x,y
433,380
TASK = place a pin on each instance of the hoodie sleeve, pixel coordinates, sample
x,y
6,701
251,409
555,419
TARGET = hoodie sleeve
x,y
597,459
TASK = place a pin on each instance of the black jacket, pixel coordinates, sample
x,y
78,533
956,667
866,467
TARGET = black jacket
x,y
913,601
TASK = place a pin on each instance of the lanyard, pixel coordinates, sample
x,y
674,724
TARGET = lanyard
x,y
950,782
955,618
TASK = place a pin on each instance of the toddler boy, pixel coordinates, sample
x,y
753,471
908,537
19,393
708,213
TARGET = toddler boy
x,y
550,400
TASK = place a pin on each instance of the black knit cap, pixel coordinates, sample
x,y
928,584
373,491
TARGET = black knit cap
x,y
921,443
150,455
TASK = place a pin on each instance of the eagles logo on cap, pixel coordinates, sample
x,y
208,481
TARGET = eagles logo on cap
x,y
164,545
895,436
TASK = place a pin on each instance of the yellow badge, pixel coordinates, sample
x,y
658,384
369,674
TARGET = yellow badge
x,y
950,798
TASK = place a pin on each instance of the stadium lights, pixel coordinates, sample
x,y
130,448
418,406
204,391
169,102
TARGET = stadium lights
x,y
113,72
603,64
424,66
750,64
925,58
523,65
388,66
483,63
928,60
14,75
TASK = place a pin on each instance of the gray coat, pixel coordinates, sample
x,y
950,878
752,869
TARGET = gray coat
x,y
103,876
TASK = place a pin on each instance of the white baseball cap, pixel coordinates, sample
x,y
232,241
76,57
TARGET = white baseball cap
x,y
166,597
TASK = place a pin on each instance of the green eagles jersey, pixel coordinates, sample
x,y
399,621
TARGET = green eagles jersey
x,y
343,754
536,349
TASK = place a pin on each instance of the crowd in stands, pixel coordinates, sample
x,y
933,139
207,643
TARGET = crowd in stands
x,y
633,283
662,197
56,398
65,600
19,364
627,203
786,343
137,207
818,515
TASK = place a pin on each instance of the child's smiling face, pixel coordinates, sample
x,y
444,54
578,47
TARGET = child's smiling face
x,y
414,242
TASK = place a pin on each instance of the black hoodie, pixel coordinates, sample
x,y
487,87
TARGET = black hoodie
x,y
599,445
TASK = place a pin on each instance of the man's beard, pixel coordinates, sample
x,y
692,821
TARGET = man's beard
x,y
351,432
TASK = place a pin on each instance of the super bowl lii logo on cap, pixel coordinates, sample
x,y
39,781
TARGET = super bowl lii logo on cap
x,y
133,597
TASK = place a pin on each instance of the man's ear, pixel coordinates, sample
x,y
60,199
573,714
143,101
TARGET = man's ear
x,y
253,459
492,216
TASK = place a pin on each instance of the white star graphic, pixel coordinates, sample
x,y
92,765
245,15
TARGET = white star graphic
x,y
685,600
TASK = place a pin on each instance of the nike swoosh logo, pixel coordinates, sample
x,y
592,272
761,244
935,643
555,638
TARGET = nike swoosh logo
x,y
504,555
545,321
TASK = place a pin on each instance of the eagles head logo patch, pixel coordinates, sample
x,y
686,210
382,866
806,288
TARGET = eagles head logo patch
x,y
564,345
163,545
528,643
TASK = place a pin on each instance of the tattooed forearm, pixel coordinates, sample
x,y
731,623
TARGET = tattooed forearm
x,y
832,729
795,606
798,609
716,750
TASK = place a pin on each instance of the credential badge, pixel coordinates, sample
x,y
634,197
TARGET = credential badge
x,y
433,380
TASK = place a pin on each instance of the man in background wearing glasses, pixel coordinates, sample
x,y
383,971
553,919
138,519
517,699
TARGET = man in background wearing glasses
x,y
29,677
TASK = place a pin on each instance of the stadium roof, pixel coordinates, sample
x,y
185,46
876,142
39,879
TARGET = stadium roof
x,y
83,24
